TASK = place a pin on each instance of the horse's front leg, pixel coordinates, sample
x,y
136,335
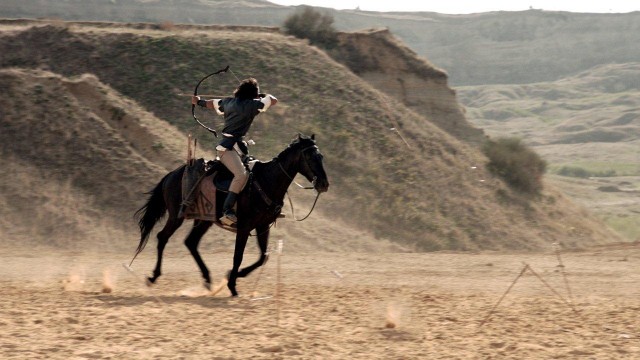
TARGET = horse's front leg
x,y
263,243
241,243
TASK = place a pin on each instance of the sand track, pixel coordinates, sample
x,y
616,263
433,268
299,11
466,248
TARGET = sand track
x,y
386,306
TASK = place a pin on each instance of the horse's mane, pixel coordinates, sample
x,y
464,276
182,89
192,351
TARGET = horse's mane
x,y
296,144
301,141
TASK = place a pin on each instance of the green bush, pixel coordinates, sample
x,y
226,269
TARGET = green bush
x,y
574,171
307,23
516,163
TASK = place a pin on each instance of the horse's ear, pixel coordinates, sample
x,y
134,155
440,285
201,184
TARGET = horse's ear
x,y
299,136
313,137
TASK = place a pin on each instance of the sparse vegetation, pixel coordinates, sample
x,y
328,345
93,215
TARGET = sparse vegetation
x,y
307,23
167,25
418,196
117,113
516,163
575,171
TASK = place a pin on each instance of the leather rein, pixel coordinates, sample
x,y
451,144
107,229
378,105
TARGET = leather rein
x,y
302,187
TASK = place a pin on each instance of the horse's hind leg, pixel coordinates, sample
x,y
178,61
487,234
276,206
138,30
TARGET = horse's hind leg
x,y
192,241
263,242
163,238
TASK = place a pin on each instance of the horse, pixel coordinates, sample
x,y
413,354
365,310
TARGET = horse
x,y
257,207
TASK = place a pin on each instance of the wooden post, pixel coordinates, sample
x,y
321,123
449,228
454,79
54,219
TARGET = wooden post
x,y
562,269
503,296
279,252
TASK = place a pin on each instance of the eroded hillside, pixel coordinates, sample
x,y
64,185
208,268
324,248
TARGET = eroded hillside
x,y
586,126
391,67
76,156
504,47
431,194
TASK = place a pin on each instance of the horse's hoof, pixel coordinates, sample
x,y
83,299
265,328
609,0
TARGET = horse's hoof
x,y
207,285
150,282
233,291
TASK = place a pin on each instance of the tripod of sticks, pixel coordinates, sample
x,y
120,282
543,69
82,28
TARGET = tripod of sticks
x,y
528,267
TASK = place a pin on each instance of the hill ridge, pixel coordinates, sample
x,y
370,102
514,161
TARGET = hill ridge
x,y
434,195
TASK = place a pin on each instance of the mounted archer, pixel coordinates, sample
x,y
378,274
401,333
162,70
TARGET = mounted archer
x,y
239,112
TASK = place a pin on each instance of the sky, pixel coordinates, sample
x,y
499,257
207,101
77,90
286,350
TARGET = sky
x,y
474,6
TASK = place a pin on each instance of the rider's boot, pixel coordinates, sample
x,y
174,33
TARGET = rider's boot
x,y
229,217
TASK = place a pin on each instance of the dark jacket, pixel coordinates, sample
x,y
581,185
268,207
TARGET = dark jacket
x,y
238,117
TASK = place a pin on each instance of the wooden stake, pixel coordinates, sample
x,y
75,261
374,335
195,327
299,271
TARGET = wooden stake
x,y
564,273
503,296
552,289
525,268
279,252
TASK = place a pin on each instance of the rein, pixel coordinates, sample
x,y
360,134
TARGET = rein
x,y
295,182
301,187
310,211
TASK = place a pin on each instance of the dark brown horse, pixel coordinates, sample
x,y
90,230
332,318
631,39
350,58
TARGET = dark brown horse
x,y
257,209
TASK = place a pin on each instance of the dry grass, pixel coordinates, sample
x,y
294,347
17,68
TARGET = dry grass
x,y
436,194
587,122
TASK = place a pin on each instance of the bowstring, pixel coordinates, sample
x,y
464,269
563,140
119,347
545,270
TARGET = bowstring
x,y
234,75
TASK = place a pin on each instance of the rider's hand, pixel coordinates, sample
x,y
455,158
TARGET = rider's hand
x,y
194,100
274,101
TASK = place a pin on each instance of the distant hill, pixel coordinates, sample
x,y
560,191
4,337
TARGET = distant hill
x,y
586,126
569,119
487,48
93,140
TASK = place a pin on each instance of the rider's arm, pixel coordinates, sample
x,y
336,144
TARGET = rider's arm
x,y
209,104
268,100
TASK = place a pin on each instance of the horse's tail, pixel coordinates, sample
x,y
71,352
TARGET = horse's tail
x,y
149,214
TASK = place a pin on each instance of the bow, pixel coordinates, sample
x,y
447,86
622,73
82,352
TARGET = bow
x,y
195,93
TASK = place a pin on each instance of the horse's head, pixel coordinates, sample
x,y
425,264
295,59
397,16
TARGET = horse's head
x,y
309,161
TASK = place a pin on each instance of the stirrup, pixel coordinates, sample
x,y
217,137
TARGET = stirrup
x,y
229,219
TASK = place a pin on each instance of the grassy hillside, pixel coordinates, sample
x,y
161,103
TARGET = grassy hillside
x,y
586,126
435,194
488,48
510,47
74,161
590,120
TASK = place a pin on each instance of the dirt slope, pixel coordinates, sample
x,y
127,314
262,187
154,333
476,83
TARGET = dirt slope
x,y
74,153
391,67
433,194
504,47
586,126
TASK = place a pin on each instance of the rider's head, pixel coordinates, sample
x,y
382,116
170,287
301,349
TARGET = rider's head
x,y
248,89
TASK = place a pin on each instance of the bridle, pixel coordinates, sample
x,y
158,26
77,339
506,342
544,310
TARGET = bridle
x,y
313,182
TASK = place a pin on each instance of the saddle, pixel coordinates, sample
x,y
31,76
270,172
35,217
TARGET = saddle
x,y
201,182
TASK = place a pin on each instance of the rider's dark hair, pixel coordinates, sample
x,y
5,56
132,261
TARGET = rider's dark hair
x,y
248,89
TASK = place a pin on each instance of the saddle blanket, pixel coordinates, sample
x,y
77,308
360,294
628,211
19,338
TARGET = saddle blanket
x,y
204,206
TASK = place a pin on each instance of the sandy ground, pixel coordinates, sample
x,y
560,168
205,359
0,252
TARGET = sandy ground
x,y
325,306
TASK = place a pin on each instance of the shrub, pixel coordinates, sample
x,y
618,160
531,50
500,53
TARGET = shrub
x,y
517,164
167,26
307,23
574,171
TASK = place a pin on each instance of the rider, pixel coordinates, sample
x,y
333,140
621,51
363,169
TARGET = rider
x,y
239,112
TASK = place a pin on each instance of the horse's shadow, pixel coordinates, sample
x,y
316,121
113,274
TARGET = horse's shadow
x,y
117,301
